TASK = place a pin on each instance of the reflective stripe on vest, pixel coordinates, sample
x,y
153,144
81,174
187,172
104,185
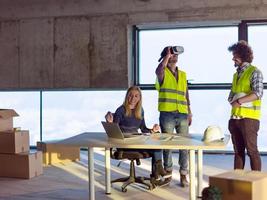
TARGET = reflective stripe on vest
x,y
172,95
243,85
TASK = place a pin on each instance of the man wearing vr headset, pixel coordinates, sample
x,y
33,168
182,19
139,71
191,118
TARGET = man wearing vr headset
x,y
173,105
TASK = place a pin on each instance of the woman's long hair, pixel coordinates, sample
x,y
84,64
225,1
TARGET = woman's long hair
x,y
138,108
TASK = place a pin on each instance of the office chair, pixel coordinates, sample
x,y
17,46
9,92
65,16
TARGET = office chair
x,y
119,154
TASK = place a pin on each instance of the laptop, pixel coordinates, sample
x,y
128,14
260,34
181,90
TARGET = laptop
x,y
113,131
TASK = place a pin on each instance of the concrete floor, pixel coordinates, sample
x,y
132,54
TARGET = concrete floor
x,y
69,180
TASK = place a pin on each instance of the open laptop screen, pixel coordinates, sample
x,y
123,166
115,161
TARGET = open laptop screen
x,y
113,131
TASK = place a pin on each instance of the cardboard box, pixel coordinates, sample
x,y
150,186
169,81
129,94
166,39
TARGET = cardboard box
x,y
22,165
6,119
240,184
14,142
56,153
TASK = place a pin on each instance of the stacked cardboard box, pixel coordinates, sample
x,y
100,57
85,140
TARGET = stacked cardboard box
x,y
54,152
15,157
241,184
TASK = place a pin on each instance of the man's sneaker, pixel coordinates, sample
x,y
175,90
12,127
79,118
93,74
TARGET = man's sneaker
x,y
154,178
183,181
168,175
154,181
162,183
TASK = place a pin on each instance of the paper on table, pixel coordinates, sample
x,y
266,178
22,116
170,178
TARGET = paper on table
x,y
161,137
165,138
175,138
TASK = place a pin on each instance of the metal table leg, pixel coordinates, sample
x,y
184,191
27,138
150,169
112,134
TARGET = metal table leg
x,y
200,171
91,173
107,163
192,192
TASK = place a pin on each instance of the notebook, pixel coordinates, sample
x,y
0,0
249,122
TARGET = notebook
x,y
113,131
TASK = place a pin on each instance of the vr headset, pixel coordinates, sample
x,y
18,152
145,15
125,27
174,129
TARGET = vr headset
x,y
174,50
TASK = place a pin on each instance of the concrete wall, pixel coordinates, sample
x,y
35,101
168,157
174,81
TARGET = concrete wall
x,y
84,43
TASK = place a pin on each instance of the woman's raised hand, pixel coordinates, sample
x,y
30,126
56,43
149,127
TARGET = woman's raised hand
x,y
109,117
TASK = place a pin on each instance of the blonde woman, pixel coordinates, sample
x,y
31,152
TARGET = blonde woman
x,y
130,117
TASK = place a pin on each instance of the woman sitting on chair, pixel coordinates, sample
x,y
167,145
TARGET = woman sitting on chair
x,y
130,117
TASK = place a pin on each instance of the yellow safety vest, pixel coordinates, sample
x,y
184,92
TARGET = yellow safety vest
x,y
243,85
172,94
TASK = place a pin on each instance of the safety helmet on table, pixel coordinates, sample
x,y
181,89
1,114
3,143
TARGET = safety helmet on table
x,y
212,133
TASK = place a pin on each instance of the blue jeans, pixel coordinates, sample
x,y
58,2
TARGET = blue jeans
x,y
168,122
156,155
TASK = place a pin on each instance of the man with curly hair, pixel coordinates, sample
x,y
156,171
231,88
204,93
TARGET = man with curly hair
x,y
245,99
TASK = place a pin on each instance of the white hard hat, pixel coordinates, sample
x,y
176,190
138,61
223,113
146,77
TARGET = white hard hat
x,y
212,133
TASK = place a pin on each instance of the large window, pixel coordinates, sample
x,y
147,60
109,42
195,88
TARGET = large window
x,y
68,113
205,58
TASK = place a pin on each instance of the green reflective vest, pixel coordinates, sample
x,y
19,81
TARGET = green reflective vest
x,y
243,85
172,94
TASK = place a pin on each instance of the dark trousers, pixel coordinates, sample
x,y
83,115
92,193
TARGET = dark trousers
x,y
244,133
